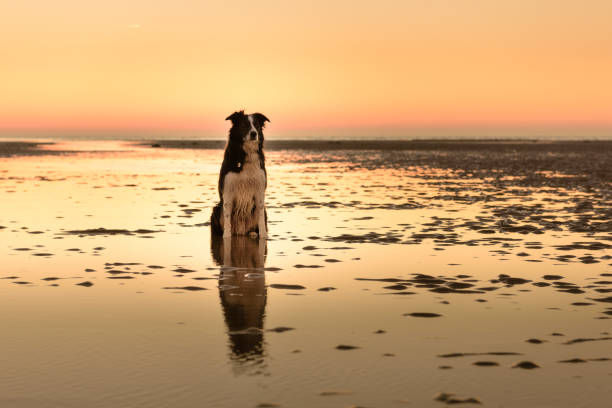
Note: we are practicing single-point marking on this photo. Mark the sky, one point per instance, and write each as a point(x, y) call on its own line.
point(314, 68)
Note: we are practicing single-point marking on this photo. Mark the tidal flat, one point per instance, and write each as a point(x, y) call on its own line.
point(415, 273)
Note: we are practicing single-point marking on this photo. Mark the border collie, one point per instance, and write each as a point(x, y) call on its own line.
point(243, 180)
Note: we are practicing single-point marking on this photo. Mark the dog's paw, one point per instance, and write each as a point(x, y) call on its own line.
point(252, 234)
point(227, 234)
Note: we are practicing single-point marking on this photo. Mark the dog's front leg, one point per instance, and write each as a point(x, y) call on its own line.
point(261, 253)
point(261, 210)
point(227, 217)
point(227, 252)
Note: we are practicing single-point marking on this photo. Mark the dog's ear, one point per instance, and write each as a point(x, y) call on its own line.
point(235, 116)
point(261, 118)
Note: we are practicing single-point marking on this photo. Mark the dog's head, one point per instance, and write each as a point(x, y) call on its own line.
point(247, 129)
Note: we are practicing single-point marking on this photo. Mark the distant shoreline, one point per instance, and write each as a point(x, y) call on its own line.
point(385, 145)
point(36, 148)
point(10, 149)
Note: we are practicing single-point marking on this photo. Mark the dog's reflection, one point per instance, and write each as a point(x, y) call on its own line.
point(242, 289)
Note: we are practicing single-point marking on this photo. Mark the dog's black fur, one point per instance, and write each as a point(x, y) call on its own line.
point(234, 159)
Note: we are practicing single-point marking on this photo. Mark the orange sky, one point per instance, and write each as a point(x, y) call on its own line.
point(315, 67)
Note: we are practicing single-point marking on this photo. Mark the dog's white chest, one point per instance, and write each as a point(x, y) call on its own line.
point(242, 189)
point(250, 180)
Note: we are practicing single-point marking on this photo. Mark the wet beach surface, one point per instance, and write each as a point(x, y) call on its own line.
point(401, 274)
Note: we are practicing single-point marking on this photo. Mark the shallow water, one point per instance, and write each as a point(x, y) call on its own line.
point(173, 318)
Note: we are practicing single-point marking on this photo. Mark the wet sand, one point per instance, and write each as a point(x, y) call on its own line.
point(587, 161)
point(396, 274)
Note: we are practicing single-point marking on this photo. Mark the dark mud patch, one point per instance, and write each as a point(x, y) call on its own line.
point(396, 287)
point(585, 340)
point(573, 361)
point(485, 363)
point(422, 314)
point(526, 365)
point(451, 290)
point(105, 231)
point(122, 263)
point(491, 353)
point(116, 272)
point(402, 293)
point(510, 281)
point(452, 399)
point(380, 279)
point(285, 286)
point(333, 393)
point(189, 288)
point(280, 329)
point(552, 277)
point(183, 270)
point(346, 347)
point(459, 285)
point(371, 237)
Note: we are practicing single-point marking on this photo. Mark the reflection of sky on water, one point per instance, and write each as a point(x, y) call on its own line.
point(127, 340)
